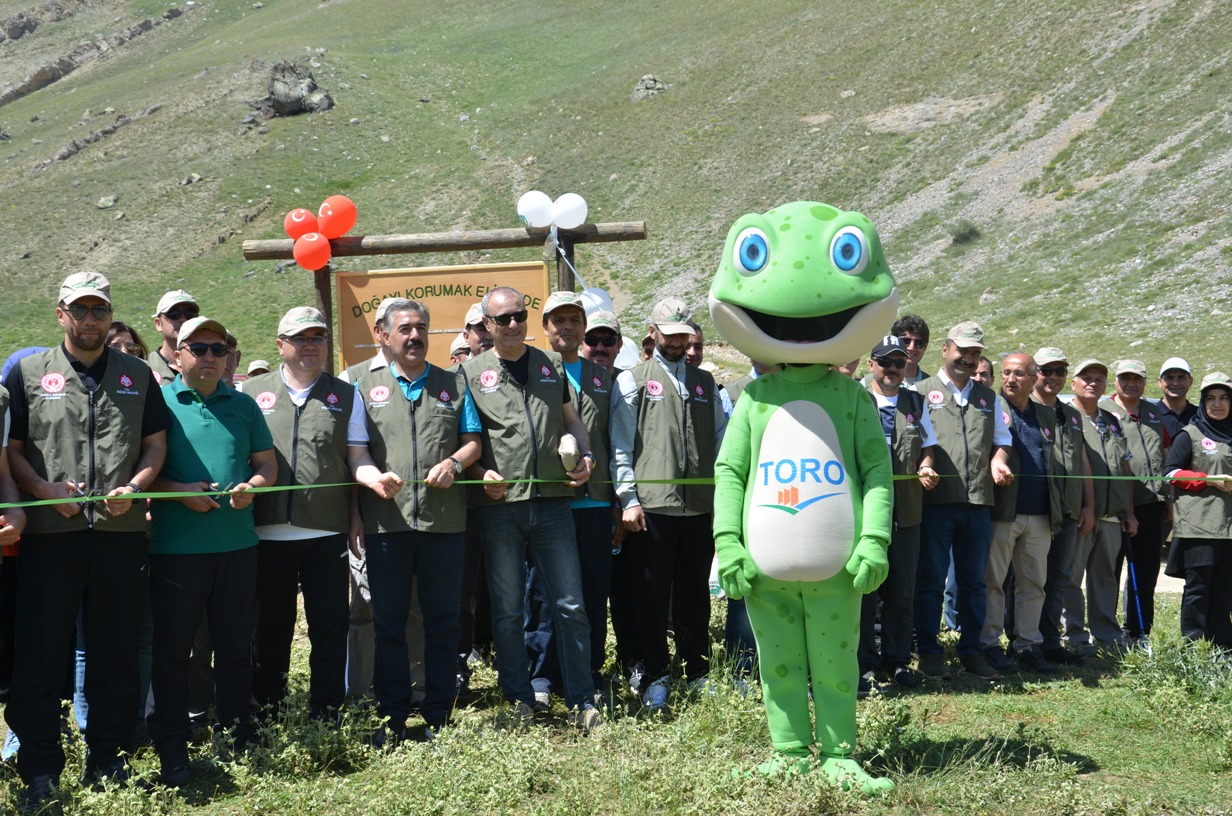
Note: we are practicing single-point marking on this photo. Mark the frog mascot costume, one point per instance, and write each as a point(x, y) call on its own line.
point(803, 495)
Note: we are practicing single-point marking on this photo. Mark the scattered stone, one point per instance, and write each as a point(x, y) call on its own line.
point(1135, 343)
point(354, 120)
point(24, 256)
point(120, 215)
point(293, 90)
point(4, 134)
point(528, 161)
point(363, 76)
point(646, 87)
point(424, 99)
point(106, 202)
point(191, 178)
point(384, 137)
point(847, 94)
point(344, 86)
point(249, 273)
point(258, 5)
point(988, 296)
point(464, 117)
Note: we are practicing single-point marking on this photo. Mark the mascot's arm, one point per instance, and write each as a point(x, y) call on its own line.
point(868, 563)
point(731, 474)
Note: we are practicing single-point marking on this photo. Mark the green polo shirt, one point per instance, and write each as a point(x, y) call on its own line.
point(209, 440)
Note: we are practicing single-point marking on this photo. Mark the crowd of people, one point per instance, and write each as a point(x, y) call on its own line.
point(1016, 513)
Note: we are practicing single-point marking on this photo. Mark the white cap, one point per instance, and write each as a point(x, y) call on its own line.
point(1175, 362)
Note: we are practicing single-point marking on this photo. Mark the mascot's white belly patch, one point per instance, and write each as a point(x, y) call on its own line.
point(801, 525)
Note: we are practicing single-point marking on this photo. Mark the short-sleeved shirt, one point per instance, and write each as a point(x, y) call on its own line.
point(468, 417)
point(210, 440)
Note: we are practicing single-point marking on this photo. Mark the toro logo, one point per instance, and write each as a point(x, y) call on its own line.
point(654, 388)
point(545, 371)
point(793, 474)
point(697, 389)
point(935, 397)
point(126, 381)
point(379, 394)
point(332, 398)
point(53, 383)
point(266, 400)
point(444, 396)
point(1208, 444)
point(488, 378)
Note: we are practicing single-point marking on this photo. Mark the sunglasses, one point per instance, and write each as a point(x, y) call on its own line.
point(607, 340)
point(506, 319)
point(1049, 371)
point(199, 349)
point(911, 341)
point(127, 348)
point(78, 311)
point(182, 312)
point(890, 362)
point(306, 340)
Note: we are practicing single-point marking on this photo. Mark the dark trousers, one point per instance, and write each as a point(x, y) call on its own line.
point(594, 546)
point(319, 567)
point(223, 586)
point(475, 610)
point(103, 575)
point(1060, 568)
point(671, 571)
point(897, 596)
point(623, 603)
point(436, 560)
point(1142, 552)
point(738, 640)
point(8, 613)
point(965, 530)
point(1206, 605)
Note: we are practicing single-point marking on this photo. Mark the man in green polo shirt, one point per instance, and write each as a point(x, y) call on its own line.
point(204, 547)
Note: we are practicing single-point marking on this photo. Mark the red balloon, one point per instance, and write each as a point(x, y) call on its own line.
point(336, 216)
point(298, 222)
point(312, 251)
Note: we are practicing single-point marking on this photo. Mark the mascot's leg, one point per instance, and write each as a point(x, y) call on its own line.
point(776, 612)
point(832, 631)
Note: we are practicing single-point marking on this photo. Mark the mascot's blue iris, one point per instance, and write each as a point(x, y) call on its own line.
point(752, 251)
point(847, 252)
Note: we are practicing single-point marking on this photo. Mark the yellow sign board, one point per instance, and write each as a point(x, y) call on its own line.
point(447, 291)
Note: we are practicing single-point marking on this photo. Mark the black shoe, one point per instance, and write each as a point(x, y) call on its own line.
point(906, 678)
point(1059, 655)
point(868, 681)
point(978, 665)
point(39, 793)
point(998, 659)
point(113, 770)
point(176, 776)
point(1033, 660)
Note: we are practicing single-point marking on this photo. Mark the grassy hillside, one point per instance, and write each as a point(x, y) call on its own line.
point(1086, 143)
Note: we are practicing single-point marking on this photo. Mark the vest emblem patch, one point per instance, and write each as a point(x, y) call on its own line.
point(936, 397)
point(654, 388)
point(158, 377)
point(379, 394)
point(53, 383)
point(445, 396)
point(266, 400)
point(488, 378)
point(545, 371)
point(1047, 432)
point(697, 389)
point(1208, 444)
point(1005, 416)
point(984, 404)
point(126, 381)
point(910, 419)
point(331, 398)
point(597, 381)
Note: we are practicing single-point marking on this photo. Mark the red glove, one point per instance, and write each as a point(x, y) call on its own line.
point(1198, 483)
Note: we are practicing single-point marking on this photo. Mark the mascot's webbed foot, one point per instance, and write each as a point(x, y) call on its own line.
point(847, 774)
point(791, 761)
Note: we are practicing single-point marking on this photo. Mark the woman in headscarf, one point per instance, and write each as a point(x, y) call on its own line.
point(1199, 463)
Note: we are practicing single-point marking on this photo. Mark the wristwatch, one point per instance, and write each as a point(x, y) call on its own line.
point(457, 466)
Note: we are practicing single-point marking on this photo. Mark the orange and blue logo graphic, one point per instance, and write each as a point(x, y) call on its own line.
point(794, 477)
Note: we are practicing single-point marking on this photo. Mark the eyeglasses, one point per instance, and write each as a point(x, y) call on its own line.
point(199, 349)
point(1049, 371)
point(306, 339)
point(890, 362)
point(78, 311)
point(127, 348)
point(182, 312)
point(912, 341)
point(506, 319)
point(606, 340)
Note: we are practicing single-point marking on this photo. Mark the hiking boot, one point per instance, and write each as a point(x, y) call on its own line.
point(1032, 660)
point(175, 777)
point(1060, 656)
point(998, 659)
point(39, 793)
point(978, 665)
point(934, 665)
point(905, 677)
point(114, 770)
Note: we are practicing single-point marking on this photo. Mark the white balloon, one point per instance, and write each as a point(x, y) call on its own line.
point(595, 299)
point(535, 209)
point(569, 211)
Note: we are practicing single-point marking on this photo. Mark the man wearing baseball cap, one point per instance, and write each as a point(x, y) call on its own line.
point(475, 331)
point(601, 344)
point(667, 423)
point(174, 308)
point(85, 422)
point(203, 548)
point(1175, 380)
point(973, 440)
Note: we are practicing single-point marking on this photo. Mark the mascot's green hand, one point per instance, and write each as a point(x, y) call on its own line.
point(736, 567)
point(869, 565)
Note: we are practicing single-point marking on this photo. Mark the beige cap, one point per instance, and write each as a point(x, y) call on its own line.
point(559, 300)
point(458, 343)
point(967, 334)
point(1120, 367)
point(1216, 378)
point(1085, 364)
point(258, 367)
point(191, 327)
point(603, 319)
point(1178, 363)
point(1049, 354)
point(172, 298)
point(84, 284)
point(300, 319)
point(381, 309)
point(671, 316)
point(474, 315)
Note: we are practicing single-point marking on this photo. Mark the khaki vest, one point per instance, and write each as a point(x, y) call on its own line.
point(675, 438)
point(593, 405)
point(1006, 497)
point(1106, 451)
point(162, 372)
point(1208, 512)
point(310, 442)
point(1145, 438)
point(94, 439)
point(736, 387)
point(964, 442)
point(907, 445)
point(1067, 447)
point(522, 427)
point(410, 438)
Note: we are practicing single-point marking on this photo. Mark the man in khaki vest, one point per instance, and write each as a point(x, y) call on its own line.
point(173, 309)
point(85, 421)
point(667, 423)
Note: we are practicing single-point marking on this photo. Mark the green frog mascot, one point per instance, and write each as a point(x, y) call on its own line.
point(803, 494)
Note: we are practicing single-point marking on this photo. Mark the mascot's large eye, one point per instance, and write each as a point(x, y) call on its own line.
point(752, 251)
point(849, 250)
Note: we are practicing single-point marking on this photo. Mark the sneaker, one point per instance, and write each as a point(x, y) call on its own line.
point(656, 694)
point(978, 665)
point(1032, 660)
point(637, 678)
point(868, 681)
point(905, 677)
point(40, 792)
point(934, 665)
point(523, 712)
point(587, 720)
point(1060, 656)
point(543, 700)
point(998, 659)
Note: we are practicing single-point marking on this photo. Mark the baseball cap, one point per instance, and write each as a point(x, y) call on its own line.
point(300, 319)
point(603, 319)
point(84, 284)
point(381, 309)
point(1215, 378)
point(190, 327)
point(475, 314)
point(1175, 362)
point(967, 334)
point(1138, 367)
point(671, 316)
point(559, 300)
point(459, 342)
point(172, 298)
point(1049, 354)
point(889, 344)
point(1085, 364)
point(258, 367)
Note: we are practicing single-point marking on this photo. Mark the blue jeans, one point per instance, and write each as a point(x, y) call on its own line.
point(965, 529)
point(544, 527)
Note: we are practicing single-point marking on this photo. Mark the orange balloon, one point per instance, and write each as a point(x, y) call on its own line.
point(336, 216)
point(312, 251)
point(298, 222)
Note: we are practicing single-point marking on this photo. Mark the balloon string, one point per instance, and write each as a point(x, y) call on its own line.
point(560, 251)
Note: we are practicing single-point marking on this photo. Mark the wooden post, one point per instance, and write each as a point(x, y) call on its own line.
point(564, 275)
point(323, 280)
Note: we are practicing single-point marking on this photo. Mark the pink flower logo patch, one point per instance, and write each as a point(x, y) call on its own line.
point(444, 396)
point(379, 394)
point(1005, 416)
point(654, 388)
point(545, 371)
point(266, 400)
point(910, 419)
point(1074, 421)
point(984, 404)
point(53, 383)
point(488, 378)
point(935, 397)
point(697, 389)
point(598, 382)
point(332, 398)
point(1208, 444)
point(1047, 433)
point(126, 381)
